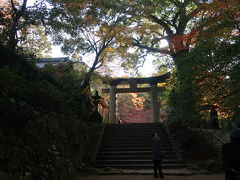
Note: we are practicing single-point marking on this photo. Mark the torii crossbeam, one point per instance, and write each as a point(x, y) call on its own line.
point(153, 89)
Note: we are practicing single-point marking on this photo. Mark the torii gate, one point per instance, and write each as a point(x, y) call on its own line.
point(153, 89)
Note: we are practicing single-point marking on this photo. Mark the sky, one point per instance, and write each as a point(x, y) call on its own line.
point(147, 70)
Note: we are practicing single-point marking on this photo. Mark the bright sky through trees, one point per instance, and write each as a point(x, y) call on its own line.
point(146, 70)
point(117, 70)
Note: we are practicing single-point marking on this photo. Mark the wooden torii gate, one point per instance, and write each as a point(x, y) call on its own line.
point(153, 89)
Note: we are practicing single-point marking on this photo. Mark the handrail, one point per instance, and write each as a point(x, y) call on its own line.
point(175, 147)
point(212, 135)
point(94, 156)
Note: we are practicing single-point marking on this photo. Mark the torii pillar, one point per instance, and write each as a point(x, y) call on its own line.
point(112, 104)
point(154, 102)
point(153, 89)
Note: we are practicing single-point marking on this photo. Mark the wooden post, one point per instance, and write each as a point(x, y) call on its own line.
point(154, 103)
point(112, 104)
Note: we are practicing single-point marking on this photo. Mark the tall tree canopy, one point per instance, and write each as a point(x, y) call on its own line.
point(16, 16)
point(88, 28)
point(130, 30)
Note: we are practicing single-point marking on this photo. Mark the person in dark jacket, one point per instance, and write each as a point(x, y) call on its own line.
point(157, 155)
point(214, 118)
point(231, 156)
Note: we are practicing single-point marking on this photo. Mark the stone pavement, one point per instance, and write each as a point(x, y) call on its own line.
point(171, 172)
point(147, 177)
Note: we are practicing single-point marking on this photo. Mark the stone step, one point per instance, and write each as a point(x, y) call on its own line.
point(136, 129)
point(134, 161)
point(111, 153)
point(124, 133)
point(136, 138)
point(146, 136)
point(168, 172)
point(136, 124)
point(105, 145)
point(130, 146)
point(132, 157)
point(133, 131)
point(132, 138)
point(133, 149)
point(132, 126)
point(129, 131)
point(139, 166)
point(122, 143)
point(135, 142)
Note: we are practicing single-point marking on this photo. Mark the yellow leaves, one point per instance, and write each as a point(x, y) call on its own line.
point(110, 49)
point(148, 28)
point(123, 41)
point(161, 84)
point(104, 29)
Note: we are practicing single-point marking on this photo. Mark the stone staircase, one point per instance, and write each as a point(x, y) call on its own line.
point(128, 146)
point(214, 139)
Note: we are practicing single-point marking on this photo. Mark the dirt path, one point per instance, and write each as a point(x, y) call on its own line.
point(147, 177)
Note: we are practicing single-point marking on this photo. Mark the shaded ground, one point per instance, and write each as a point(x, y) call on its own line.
point(147, 177)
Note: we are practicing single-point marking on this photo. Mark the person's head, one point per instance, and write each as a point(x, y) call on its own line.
point(155, 134)
point(235, 134)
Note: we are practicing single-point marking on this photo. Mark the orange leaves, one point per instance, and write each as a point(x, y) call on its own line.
point(4, 3)
point(110, 49)
point(223, 11)
point(5, 9)
point(182, 42)
point(148, 29)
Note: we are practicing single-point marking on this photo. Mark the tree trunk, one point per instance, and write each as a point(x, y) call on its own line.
point(12, 43)
point(185, 93)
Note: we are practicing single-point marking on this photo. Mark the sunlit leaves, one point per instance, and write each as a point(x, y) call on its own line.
point(222, 18)
point(15, 16)
point(34, 41)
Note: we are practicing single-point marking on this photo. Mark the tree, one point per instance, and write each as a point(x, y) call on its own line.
point(87, 28)
point(183, 24)
point(170, 20)
point(214, 62)
point(34, 41)
point(109, 28)
point(16, 16)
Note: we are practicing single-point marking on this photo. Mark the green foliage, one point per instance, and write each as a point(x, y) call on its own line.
point(15, 17)
point(20, 64)
point(182, 100)
point(45, 123)
point(215, 74)
point(35, 41)
point(207, 76)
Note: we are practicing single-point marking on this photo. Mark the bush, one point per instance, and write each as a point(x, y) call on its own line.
point(44, 126)
point(194, 146)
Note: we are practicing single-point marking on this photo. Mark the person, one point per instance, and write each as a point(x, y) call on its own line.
point(157, 155)
point(231, 156)
point(214, 118)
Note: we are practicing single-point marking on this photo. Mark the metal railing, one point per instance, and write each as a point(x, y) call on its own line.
point(212, 136)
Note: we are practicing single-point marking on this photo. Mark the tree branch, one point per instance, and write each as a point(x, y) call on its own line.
point(232, 16)
point(174, 20)
point(162, 23)
point(13, 7)
point(193, 13)
point(150, 49)
point(23, 6)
